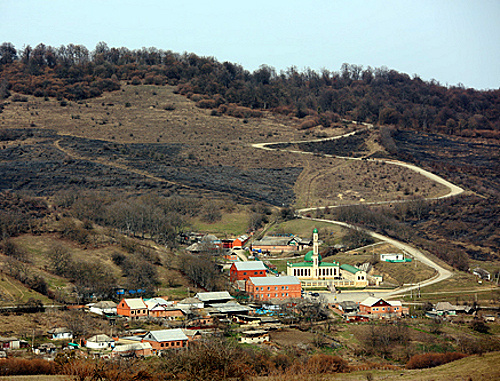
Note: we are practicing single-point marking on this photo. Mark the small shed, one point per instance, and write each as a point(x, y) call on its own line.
point(100, 342)
point(254, 337)
point(61, 333)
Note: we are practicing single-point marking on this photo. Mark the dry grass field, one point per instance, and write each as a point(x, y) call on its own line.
point(152, 137)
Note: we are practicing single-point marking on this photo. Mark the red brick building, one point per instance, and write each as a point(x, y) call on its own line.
point(166, 339)
point(134, 307)
point(266, 288)
point(381, 308)
point(244, 270)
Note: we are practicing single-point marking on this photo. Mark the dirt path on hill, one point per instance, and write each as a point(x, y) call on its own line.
point(115, 165)
point(454, 190)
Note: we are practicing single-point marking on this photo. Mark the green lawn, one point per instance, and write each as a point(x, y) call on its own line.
point(231, 224)
point(304, 228)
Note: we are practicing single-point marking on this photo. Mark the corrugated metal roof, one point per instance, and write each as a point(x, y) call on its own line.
point(208, 296)
point(370, 301)
point(135, 303)
point(274, 280)
point(250, 265)
point(102, 338)
point(132, 347)
point(166, 335)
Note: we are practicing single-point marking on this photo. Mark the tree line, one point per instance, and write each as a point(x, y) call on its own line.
point(375, 95)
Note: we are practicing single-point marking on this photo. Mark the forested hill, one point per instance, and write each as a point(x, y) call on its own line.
point(365, 94)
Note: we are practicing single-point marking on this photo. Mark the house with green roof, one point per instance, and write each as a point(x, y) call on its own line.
point(354, 274)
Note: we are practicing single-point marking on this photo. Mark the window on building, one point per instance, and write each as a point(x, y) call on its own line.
point(245, 273)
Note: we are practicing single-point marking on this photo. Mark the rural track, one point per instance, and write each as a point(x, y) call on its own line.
point(126, 168)
point(115, 165)
point(454, 190)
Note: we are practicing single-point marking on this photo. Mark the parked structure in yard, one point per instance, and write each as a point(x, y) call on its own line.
point(61, 333)
point(245, 270)
point(394, 258)
point(481, 273)
point(100, 342)
point(13, 343)
point(445, 309)
point(104, 307)
point(166, 339)
point(377, 307)
point(254, 337)
point(133, 308)
point(133, 350)
point(267, 288)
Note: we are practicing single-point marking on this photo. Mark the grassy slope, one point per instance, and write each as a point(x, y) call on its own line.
point(214, 141)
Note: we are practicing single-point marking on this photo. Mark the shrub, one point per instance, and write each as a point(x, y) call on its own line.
point(431, 359)
point(18, 366)
point(308, 123)
point(206, 103)
point(321, 364)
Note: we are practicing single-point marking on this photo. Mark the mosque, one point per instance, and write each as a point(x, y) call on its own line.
point(313, 272)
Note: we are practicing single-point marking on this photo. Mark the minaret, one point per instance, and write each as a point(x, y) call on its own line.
point(315, 256)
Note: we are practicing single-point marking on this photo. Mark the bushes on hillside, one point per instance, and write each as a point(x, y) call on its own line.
point(430, 360)
point(18, 366)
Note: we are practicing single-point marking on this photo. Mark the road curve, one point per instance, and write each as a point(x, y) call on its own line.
point(442, 273)
point(454, 190)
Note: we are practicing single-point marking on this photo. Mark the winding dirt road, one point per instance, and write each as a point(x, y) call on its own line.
point(454, 190)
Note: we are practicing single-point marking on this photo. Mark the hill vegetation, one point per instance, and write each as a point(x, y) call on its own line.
point(371, 95)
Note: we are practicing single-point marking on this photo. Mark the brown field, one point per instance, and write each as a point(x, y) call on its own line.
point(130, 135)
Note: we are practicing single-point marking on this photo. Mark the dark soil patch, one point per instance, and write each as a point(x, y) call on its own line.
point(37, 165)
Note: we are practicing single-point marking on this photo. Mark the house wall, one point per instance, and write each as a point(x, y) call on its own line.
point(273, 292)
point(124, 310)
point(235, 275)
point(381, 309)
point(307, 272)
point(254, 340)
point(278, 248)
point(359, 278)
point(101, 345)
point(176, 344)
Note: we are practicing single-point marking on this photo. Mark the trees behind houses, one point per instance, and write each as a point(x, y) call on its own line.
point(202, 271)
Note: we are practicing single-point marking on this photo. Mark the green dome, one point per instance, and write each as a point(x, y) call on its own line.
point(315, 230)
point(309, 256)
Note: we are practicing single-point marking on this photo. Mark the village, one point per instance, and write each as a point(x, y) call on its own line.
point(260, 301)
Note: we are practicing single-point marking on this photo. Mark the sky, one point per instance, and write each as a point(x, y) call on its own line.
point(452, 41)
